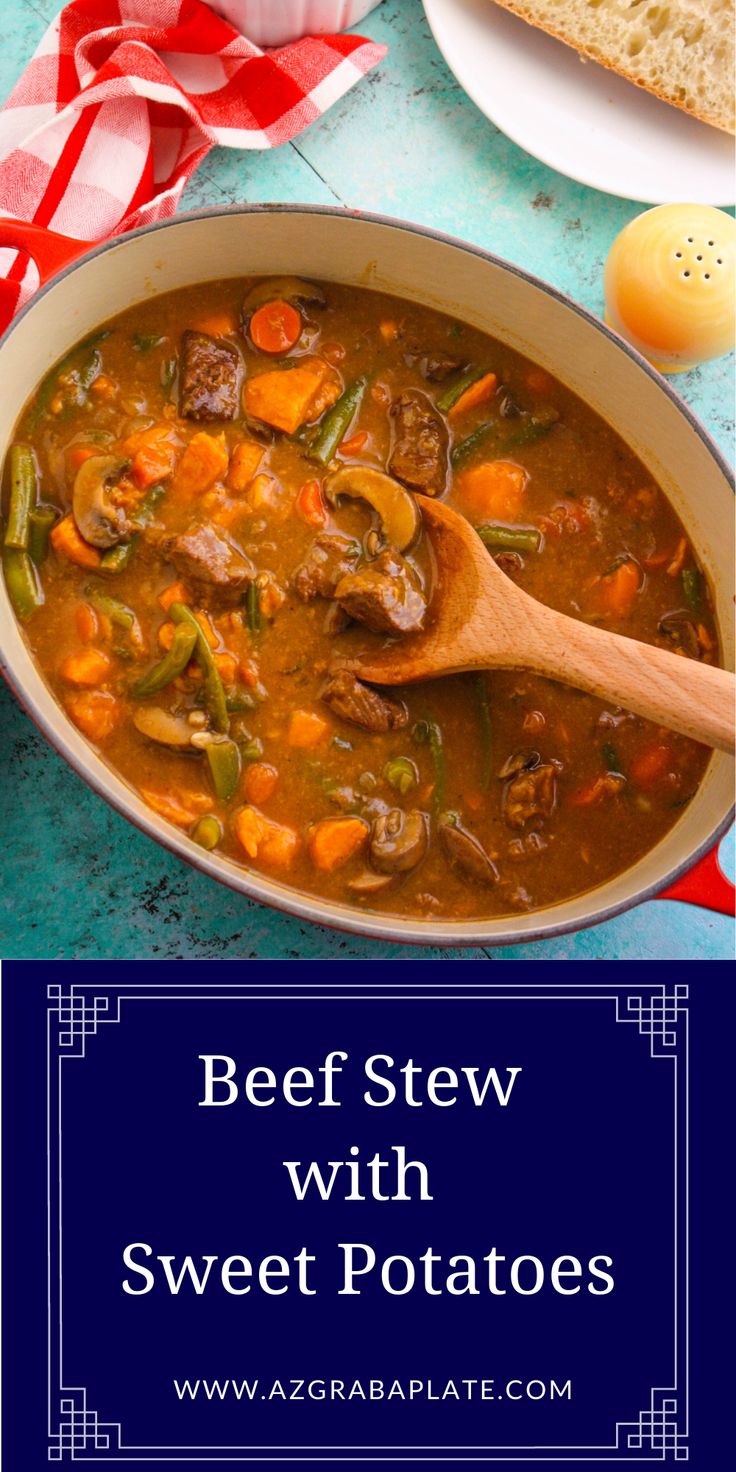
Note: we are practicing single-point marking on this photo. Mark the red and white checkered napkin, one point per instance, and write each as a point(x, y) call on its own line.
point(124, 98)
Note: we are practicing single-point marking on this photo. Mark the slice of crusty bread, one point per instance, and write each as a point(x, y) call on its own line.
point(682, 50)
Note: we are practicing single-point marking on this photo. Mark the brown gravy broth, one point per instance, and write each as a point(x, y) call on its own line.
point(547, 791)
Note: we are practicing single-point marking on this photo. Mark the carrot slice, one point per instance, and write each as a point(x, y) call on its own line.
point(678, 561)
point(260, 781)
point(616, 592)
point(275, 327)
point(354, 443)
point(478, 393)
point(88, 626)
point(310, 505)
point(333, 841)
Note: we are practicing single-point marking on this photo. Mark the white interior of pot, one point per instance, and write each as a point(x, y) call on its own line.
point(492, 297)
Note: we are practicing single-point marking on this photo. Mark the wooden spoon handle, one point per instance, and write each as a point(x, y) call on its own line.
point(696, 699)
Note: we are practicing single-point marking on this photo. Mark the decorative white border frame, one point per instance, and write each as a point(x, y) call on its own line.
point(659, 1011)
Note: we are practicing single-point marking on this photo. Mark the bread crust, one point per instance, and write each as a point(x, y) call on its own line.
point(592, 54)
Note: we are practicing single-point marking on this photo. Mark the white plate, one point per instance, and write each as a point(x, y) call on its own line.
point(577, 117)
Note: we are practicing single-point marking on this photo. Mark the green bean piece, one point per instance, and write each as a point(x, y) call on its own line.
point(400, 772)
point(40, 522)
point(143, 512)
point(22, 582)
point(117, 612)
point(437, 750)
point(240, 702)
point(144, 341)
point(22, 496)
point(46, 390)
point(501, 538)
point(207, 831)
point(337, 422)
point(168, 374)
point(90, 370)
point(116, 559)
point(461, 451)
point(253, 604)
point(213, 687)
point(174, 661)
point(223, 758)
point(692, 587)
point(484, 718)
point(611, 758)
point(532, 429)
point(252, 750)
point(449, 397)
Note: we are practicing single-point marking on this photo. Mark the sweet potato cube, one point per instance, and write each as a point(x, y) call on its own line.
point(204, 461)
point(244, 462)
point(283, 397)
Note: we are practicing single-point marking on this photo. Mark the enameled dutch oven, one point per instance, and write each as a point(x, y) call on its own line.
point(82, 287)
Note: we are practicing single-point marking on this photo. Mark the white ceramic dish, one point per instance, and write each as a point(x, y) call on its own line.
point(368, 251)
point(578, 117)
point(276, 22)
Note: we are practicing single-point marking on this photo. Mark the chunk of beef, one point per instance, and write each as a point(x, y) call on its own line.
point(204, 556)
point(329, 558)
point(210, 374)
point(361, 705)
point(419, 454)
point(531, 794)
point(385, 595)
point(466, 854)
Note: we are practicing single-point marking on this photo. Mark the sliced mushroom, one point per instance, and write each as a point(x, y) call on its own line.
point(368, 883)
point(161, 726)
point(398, 841)
point(519, 761)
point(466, 853)
point(99, 520)
point(397, 508)
point(283, 288)
point(681, 631)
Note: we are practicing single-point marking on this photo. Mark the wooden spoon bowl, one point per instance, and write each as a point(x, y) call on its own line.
point(479, 619)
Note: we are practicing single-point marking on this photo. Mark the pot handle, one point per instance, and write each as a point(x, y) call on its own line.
point(50, 251)
point(706, 885)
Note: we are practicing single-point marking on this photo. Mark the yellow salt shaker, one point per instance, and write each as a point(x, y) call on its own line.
point(669, 285)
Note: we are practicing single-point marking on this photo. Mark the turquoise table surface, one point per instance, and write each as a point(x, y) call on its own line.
point(77, 880)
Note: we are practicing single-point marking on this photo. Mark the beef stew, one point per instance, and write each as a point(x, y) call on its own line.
point(209, 502)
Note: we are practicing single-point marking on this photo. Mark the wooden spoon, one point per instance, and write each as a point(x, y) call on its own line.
point(479, 619)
